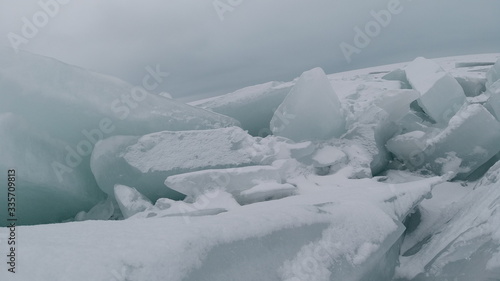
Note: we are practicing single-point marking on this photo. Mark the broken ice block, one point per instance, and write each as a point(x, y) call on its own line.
point(233, 180)
point(328, 159)
point(130, 200)
point(310, 111)
point(145, 162)
point(441, 96)
point(472, 86)
point(328, 156)
point(104, 210)
point(471, 138)
point(266, 191)
point(376, 123)
point(398, 75)
point(253, 106)
point(493, 74)
point(493, 102)
point(397, 103)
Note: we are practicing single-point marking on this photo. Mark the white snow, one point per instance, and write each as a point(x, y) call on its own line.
point(341, 216)
point(329, 156)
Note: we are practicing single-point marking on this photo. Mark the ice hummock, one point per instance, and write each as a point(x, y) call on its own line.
point(145, 162)
point(441, 94)
point(372, 127)
point(311, 110)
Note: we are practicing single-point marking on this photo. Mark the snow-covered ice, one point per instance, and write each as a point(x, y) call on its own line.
point(390, 195)
point(233, 180)
point(266, 191)
point(340, 226)
point(376, 124)
point(469, 141)
point(329, 159)
point(145, 162)
point(130, 200)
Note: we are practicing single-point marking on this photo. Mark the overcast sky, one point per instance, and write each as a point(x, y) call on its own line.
point(257, 40)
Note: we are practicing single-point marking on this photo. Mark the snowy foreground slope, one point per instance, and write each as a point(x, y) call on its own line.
point(386, 173)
